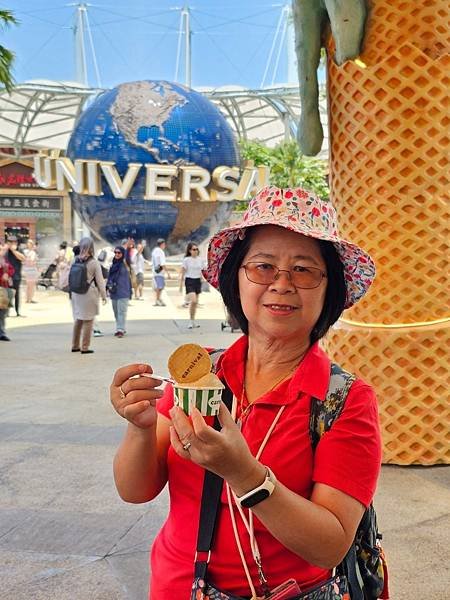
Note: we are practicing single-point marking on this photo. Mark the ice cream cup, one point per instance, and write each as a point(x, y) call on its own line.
point(207, 400)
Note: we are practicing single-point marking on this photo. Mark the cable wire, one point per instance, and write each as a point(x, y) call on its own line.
point(242, 20)
point(36, 53)
point(115, 49)
point(94, 56)
point(220, 49)
point(140, 19)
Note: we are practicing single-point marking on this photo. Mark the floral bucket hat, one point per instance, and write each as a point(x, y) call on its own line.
point(303, 212)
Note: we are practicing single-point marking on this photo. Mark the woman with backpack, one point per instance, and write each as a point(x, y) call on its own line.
point(119, 289)
point(292, 499)
point(86, 286)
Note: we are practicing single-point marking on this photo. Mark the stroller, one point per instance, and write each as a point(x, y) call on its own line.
point(230, 322)
point(46, 278)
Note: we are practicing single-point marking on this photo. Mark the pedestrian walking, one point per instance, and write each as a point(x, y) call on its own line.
point(30, 271)
point(119, 289)
point(159, 270)
point(63, 261)
point(85, 306)
point(191, 275)
point(6, 275)
point(137, 267)
point(101, 257)
point(15, 258)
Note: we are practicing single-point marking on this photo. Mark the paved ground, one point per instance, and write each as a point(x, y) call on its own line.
point(65, 534)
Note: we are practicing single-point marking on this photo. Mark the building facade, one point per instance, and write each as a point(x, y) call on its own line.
point(31, 212)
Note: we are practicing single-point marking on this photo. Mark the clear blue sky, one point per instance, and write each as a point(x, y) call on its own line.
point(137, 39)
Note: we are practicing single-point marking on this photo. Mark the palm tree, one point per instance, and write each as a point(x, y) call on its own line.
point(6, 56)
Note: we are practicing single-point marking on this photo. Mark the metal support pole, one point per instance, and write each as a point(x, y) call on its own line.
point(80, 48)
point(292, 75)
point(187, 45)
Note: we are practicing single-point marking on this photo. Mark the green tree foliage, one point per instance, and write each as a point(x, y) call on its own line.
point(288, 166)
point(6, 56)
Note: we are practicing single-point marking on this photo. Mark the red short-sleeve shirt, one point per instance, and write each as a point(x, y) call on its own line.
point(347, 458)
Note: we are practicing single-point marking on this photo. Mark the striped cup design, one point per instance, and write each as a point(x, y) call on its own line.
point(206, 400)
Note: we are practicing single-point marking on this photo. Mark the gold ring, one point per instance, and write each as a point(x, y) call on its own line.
point(122, 393)
point(187, 446)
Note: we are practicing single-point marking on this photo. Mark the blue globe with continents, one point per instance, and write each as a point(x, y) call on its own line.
point(152, 123)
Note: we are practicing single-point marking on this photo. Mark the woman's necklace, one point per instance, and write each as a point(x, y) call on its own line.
point(243, 412)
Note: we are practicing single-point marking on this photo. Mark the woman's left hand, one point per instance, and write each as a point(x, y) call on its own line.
point(224, 452)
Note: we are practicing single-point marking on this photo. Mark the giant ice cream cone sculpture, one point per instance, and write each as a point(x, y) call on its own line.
point(389, 150)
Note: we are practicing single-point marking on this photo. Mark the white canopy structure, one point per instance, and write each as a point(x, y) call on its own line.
point(41, 114)
point(268, 115)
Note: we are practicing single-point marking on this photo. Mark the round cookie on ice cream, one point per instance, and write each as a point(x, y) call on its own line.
point(189, 362)
point(195, 385)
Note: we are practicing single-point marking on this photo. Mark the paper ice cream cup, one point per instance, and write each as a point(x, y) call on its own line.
point(207, 400)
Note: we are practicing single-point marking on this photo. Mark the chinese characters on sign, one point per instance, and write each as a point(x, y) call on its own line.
point(17, 181)
point(30, 202)
point(16, 175)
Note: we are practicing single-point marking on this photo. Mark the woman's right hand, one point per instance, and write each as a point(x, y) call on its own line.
point(133, 393)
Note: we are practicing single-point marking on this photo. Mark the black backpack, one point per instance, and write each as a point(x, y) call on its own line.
point(101, 255)
point(78, 279)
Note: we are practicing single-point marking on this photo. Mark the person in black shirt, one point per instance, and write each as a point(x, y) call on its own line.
point(15, 258)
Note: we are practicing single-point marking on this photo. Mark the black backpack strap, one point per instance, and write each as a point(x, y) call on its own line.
point(212, 490)
point(323, 413)
point(322, 416)
point(348, 567)
point(360, 563)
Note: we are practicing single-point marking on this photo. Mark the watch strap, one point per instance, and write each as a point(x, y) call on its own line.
point(260, 492)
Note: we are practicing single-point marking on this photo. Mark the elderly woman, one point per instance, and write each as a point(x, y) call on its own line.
point(85, 306)
point(286, 275)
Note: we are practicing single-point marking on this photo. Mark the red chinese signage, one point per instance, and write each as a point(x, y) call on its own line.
point(16, 175)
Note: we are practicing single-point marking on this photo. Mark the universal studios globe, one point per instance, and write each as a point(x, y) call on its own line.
point(152, 122)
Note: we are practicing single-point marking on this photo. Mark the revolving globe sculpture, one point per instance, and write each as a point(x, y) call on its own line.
point(140, 124)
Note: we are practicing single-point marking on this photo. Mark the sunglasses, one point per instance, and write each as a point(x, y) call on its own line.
point(304, 278)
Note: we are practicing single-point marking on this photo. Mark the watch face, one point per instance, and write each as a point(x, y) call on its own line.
point(258, 496)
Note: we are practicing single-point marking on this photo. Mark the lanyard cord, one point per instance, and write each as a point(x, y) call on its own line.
point(249, 522)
